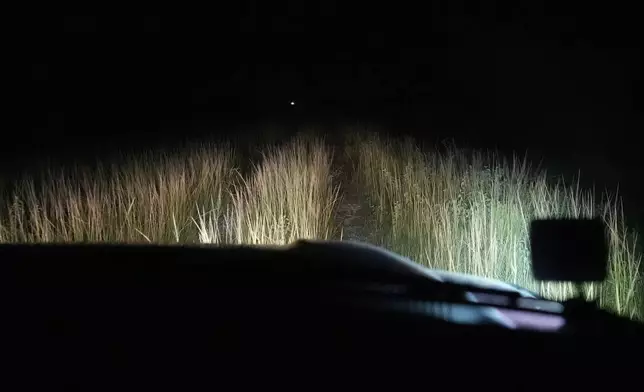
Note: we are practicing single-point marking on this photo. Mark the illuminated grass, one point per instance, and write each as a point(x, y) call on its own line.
point(470, 213)
point(198, 195)
point(150, 198)
point(287, 196)
point(456, 210)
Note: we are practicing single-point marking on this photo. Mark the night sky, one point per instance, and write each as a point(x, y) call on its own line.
point(565, 82)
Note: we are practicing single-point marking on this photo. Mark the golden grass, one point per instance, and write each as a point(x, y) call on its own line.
point(289, 195)
point(151, 198)
point(455, 210)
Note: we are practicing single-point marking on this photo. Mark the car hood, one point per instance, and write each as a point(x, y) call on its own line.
point(362, 255)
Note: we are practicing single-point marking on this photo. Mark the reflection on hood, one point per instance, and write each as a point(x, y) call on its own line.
point(362, 255)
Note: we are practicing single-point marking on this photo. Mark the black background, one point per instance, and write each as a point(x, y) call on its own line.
point(561, 81)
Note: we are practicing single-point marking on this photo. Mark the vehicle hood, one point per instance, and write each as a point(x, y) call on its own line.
point(370, 256)
point(363, 255)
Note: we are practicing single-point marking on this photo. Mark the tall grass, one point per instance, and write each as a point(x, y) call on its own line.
point(198, 195)
point(470, 212)
point(150, 198)
point(452, 209)
point(289, 195)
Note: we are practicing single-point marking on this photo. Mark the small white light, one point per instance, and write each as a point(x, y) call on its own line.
point(292, 103)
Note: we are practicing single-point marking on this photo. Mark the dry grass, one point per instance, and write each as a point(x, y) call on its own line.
point(289, 195)
point(455, 210)
point(150, 199)
point(198, 195)
point(470, 212)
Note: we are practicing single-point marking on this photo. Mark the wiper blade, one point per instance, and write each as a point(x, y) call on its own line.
point(418, 289)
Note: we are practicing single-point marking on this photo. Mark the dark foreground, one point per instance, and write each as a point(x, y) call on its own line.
point(186, 317)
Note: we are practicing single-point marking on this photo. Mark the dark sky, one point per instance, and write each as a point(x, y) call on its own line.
point(559, 80)
point(519, 75)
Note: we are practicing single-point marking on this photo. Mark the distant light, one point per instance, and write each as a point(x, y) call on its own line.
point(292, 103)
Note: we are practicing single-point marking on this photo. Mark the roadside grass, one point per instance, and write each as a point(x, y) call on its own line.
point(458, 210)
point(198, 195)
point(148, 198)
point(469, 212)
point(288, 195)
